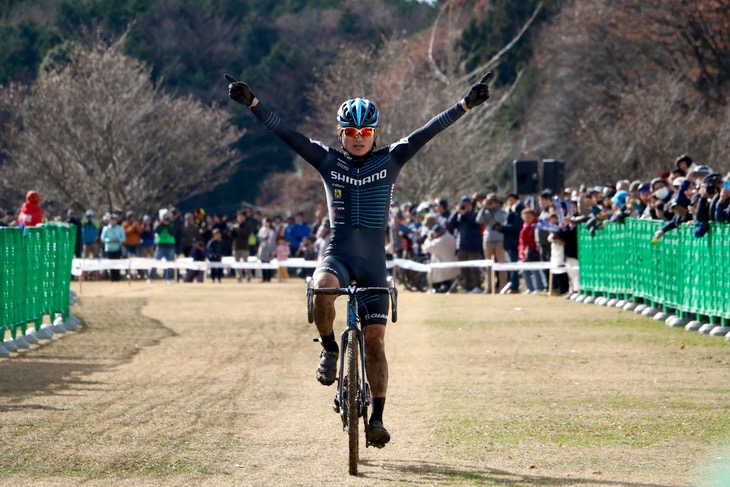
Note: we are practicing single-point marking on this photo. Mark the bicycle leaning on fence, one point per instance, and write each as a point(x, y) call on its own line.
point(352, 397)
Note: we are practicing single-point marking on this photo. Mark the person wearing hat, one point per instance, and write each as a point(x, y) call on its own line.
point(492, 217)
point(678, 206)
point(112, 236)
point(697, 173)
point(644, 200)
point(164, 245)
point(441, 247)
point(683, 163)
point(30, 213)
point(705, 202)
point(468, 232)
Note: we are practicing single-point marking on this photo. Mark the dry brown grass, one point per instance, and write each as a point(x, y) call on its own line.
point(214, 385)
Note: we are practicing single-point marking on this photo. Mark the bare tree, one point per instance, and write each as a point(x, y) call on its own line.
point(407, 80)
point(95, 132)
point(621, 91)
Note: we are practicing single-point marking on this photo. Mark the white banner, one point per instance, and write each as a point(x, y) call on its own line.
point(80, 266)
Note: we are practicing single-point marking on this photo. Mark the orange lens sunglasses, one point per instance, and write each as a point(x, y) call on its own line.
point(365, 131)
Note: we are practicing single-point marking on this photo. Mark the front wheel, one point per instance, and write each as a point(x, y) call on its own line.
point(310, 299)
point(353, 380)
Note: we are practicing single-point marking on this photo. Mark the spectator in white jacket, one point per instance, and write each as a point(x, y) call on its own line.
point(441, 246)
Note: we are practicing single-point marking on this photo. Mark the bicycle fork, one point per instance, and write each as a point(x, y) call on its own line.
point(363, 399)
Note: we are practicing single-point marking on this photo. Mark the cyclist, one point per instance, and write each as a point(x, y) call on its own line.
point(359, 181)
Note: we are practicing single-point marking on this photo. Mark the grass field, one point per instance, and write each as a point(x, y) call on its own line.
point(213, 384)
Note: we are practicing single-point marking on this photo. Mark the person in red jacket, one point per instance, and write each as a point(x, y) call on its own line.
point(529, 251)
point(30, 213)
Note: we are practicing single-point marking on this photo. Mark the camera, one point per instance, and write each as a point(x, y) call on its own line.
point(711, 189)
point(462, 207)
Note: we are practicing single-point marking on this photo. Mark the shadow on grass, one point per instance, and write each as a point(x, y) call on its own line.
point(432, 473)
point(112, 332)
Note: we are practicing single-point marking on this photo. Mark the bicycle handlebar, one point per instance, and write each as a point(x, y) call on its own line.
point(351, 291)
point(358, 291)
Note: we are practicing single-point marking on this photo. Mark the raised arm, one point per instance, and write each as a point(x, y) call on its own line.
point(312, 151)
point(477, 94)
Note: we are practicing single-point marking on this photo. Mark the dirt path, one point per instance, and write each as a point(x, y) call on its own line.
point(214, 385)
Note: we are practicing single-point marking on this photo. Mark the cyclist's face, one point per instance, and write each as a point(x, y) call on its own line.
point(358, 145)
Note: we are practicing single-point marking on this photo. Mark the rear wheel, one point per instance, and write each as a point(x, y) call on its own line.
point(353, 380)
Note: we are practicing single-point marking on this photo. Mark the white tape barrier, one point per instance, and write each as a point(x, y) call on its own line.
point(80, 266)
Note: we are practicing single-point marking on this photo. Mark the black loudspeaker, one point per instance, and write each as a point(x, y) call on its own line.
point(525, 177)
point(553, 175)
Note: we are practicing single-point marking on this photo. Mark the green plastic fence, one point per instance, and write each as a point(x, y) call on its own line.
point(35, 275)
point(682, 272)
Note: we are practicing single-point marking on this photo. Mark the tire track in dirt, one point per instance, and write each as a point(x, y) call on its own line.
point(214, 385)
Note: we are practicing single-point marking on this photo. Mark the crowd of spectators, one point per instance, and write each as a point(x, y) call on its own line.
point(479, 226)
point(543, 228)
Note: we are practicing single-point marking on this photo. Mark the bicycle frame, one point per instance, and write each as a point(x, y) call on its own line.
point(352, 325)
point(363, 391)
point(359, 395)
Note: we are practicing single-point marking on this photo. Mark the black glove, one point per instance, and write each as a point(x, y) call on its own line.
point(239, 91)
point(478, 93)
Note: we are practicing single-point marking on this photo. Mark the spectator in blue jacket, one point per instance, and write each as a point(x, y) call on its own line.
point(297, 231)
point(147, 238)
point(468, 232)
point(90, 236)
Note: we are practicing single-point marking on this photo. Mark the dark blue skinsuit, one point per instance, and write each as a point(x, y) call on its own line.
point(359, 190)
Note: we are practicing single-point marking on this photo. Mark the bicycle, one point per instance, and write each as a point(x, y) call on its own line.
point(413, 280)
point(352, 397)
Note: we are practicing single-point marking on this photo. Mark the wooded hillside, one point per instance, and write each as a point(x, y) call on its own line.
point(615, 89)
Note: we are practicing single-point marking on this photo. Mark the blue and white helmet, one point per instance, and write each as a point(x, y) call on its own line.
point(358, 112)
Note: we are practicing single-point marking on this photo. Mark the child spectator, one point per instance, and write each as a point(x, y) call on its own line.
point(199, 254)
point(30, 213)
point(529, 252)
point(557, 255)
point(306, 251)
point(282, 253)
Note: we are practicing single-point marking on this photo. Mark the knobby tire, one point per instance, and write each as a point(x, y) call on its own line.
point(353, 381)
